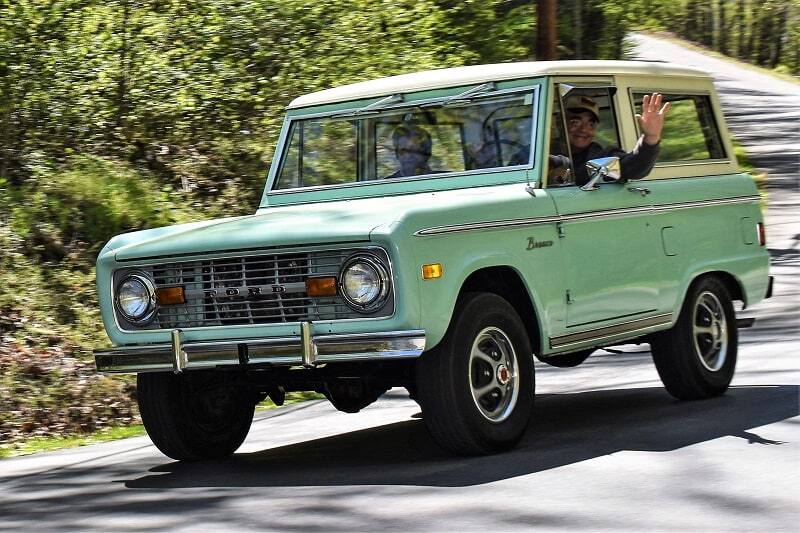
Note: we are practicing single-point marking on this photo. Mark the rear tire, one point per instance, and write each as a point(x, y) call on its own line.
point(194, 416)
point(696, 358)
point(476, 388)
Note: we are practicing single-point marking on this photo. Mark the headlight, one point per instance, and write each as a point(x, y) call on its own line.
point(364, 283)
point(136, 298)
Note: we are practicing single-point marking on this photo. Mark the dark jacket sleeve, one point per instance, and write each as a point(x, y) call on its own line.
point(637, 163)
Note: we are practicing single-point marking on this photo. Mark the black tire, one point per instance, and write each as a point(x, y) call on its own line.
point(196, 415)
point(447, 376)
point(696, 358)
point(567, 360)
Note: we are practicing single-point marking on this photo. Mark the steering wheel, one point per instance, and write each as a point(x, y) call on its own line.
point(520, 148)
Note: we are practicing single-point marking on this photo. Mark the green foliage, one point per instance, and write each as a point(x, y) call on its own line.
point(126, 114)
point(117, 115)
point(291, 397)
point(84, 202)
point(51, 443)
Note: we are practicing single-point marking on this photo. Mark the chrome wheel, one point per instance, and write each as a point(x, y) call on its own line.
point(493, 374)
point(710, 331)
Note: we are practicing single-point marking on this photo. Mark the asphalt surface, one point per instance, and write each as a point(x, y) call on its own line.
point(609, 449)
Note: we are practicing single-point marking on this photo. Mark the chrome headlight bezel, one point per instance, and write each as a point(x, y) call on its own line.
point(382, 273)
point(150, 305)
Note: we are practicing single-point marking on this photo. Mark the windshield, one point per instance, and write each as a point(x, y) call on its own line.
point(408, 142)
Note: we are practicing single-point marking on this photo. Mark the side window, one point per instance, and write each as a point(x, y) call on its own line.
point(584, 127)
point(690, 131)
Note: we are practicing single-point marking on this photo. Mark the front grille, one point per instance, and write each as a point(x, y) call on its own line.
point(262, 289)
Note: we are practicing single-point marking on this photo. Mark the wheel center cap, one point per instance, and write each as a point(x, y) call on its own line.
point(503, 375)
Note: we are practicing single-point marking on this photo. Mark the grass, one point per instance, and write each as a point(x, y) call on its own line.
point(746, 166)
point(49, 444)
point(291, 397)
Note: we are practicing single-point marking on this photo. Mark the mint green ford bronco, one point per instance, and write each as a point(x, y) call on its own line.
point(437, 231)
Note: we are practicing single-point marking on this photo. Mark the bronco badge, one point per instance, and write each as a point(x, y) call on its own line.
point(533, 243)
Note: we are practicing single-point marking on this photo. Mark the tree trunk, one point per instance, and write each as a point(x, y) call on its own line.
point(765, 31)
point(546, 30)
point(751, 36)
point(780, 30)
point(722, 28)
point(690, 21)
point(578, 29)
point(741, 25)
point(707, 23)
point(124, 66)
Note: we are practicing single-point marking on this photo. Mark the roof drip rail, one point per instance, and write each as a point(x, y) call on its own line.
point(465, 96)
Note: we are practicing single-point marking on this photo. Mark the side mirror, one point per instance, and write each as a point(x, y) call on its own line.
point(605, 168)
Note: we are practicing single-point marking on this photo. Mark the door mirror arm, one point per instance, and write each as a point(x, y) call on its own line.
point(604, 168)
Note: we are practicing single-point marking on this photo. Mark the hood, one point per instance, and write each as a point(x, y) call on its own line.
point(317, 223)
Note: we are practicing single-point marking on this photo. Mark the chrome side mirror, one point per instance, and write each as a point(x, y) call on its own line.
point(603, 168)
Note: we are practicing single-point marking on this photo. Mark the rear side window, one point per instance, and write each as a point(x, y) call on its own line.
point(690, 131)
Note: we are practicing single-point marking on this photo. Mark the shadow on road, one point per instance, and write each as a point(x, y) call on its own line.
point(568, 428)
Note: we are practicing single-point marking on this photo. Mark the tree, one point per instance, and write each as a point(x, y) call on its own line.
point(546, 37)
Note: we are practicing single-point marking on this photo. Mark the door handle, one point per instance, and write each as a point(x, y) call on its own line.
point(644, 191)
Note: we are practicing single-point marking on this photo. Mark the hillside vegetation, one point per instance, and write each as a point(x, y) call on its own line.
point(119, 115)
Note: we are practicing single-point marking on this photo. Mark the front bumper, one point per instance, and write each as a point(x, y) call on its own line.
point(307, 350)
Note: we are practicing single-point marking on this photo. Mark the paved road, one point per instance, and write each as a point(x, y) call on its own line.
point(610, 449)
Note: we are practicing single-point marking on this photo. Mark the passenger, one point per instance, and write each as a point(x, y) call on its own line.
point(412, 147)
point(583, 117)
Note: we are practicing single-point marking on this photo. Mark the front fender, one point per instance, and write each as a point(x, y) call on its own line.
point(438, 296)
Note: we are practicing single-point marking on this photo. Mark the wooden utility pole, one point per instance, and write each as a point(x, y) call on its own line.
point(546, 30)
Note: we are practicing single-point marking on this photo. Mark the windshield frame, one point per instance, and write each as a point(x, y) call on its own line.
point(534, 87)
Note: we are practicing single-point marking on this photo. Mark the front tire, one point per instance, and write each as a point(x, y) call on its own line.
point(696, 358)
point(476, 388)
point(196, 415)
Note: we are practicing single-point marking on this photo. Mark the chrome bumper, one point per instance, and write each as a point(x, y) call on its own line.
point(307, 350)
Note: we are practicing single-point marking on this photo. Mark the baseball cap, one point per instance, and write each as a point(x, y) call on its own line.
point(579, 103)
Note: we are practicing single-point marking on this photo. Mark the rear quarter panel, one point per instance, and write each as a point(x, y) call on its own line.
point(709, 237)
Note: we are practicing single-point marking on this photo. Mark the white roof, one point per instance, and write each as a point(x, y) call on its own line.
point(458, 76)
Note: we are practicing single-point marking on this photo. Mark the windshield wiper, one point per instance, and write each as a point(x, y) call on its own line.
point(374, 107)
point(460, 98)
point(464, 97)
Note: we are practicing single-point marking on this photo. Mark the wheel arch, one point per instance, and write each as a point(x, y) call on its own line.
point(507, 282)
point(732, 283)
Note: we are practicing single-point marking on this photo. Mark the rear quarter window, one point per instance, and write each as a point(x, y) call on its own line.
point(690, 131)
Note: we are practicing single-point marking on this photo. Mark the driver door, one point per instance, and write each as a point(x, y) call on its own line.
point(609, 243)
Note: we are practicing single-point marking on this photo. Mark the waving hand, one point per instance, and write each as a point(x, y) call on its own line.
point(651, 120)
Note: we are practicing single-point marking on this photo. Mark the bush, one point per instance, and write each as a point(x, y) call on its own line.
point(76, 207)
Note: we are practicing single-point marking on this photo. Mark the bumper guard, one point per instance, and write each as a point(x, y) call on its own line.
point(307, 350)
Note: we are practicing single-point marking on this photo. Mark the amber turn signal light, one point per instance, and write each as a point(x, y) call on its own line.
point(432, 271)
point(321, 286)
point(170, 296)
